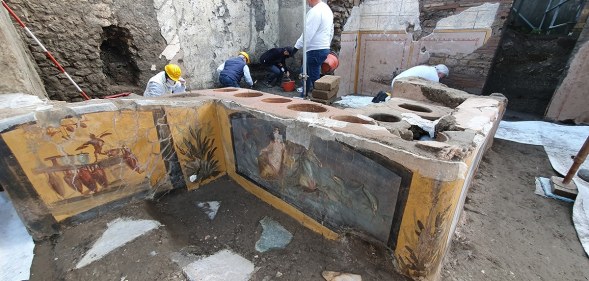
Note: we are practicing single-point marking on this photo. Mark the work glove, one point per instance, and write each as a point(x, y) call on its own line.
point(294, 51)
point(182, 81)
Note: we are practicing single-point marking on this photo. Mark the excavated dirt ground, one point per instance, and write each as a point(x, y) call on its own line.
point(189, 232)
point(510, 233)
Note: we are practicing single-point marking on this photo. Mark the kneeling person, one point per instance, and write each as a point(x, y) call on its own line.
point(166, 82)
point(233, 69)
point(275, 60)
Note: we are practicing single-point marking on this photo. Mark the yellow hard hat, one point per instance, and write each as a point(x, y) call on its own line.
point(247, 57)
point(173, 71)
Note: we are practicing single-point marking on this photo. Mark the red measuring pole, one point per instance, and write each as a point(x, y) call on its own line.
point(47, 53)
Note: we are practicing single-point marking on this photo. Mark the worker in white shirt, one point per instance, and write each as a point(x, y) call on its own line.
point(233, 69)
point(166, 82)
point(318, 34)
point(431, 73)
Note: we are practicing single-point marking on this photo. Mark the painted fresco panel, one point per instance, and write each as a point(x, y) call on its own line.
point(197, 143)
point(347, 63)
point(376, 71)
point(328, 181)
point(87, 161)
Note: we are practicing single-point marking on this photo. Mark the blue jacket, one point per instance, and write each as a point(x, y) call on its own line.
point(233, 68)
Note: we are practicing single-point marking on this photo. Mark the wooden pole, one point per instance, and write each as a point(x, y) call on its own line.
point(579, 159)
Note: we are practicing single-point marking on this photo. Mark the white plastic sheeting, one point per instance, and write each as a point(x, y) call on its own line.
point(16, 245)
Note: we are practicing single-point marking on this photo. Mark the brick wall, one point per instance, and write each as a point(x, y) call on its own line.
point(341, 11)
point(468, 72)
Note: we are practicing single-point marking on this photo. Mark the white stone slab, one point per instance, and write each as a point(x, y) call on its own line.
point(119, 232)
point(222, 266)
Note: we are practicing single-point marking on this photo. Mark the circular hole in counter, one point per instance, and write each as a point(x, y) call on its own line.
point(307, 107)
point(276, 100)
point(225, 90)
point(248, 95)
point(351, 119)
point(414, 107)
point(382, 117)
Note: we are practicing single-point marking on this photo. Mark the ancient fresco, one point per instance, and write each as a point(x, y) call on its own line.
point(197, 144)
point(83, 162)
point(329, 181)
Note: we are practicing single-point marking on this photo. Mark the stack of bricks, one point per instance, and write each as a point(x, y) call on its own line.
point(325, 89)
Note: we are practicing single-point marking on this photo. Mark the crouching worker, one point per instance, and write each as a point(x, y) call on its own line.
point(233, 69)
point(431, 73)
point(275, 60)
point(166, 82)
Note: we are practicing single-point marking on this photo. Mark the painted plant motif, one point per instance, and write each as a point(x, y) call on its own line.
point(423, 259)
point(199, 150)
point(83, 175)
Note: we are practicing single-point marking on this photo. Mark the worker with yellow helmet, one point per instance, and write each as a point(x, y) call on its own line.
point(234, 69)
point(169, 81)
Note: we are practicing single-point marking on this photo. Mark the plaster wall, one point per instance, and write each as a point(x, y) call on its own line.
point(291, 21)
point(570, 102)
point(205, 34)
point(20, 73)
point(63, 162)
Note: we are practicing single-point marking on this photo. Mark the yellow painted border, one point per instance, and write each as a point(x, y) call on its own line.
point(487, 31)
point(375, 32)
point(357, 68)
point(284, 207)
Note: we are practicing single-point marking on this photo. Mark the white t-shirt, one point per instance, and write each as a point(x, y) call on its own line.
point(319, 28)
point(424, 71)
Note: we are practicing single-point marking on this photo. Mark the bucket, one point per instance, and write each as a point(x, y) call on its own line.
point(288, 85)
point(330, 64)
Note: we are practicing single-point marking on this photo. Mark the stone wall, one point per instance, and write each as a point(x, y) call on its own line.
point(341, 12)
point(19, 73)
point(116, 46)
point(79, 36)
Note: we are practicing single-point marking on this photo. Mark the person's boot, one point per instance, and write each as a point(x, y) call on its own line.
point(583, 174)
